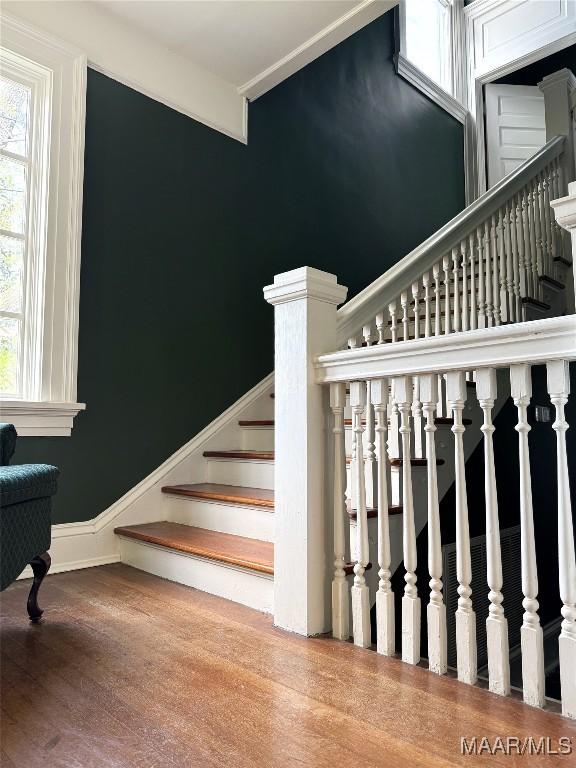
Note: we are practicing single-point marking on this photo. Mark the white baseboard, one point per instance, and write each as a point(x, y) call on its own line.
point(91, 543)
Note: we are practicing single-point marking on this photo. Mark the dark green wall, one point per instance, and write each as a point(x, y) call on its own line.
point(348, 167)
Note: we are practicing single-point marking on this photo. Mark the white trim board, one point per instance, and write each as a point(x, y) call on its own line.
point(93, 542)
point(343, 27)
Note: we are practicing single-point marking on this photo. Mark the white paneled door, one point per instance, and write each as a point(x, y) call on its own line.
point(515, 127)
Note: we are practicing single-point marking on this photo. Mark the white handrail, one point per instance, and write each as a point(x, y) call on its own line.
point(534, 342)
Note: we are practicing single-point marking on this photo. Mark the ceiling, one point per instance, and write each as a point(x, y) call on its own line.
point(234, 39)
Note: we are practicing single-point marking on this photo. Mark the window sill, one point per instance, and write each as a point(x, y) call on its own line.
point(429, 88)
point(40, 419)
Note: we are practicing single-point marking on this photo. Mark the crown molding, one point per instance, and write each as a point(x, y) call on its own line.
point(323, 41)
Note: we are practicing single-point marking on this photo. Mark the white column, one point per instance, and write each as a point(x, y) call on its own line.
point(385, 641)
point(557, 89)
point(496, 623)
point(559, 389)
point(531, 632)
point(305, 302)
point(340, 594)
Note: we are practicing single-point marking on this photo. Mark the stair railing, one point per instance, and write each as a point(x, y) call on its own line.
point(311, 546)
point(369, 374)
point(493, 263)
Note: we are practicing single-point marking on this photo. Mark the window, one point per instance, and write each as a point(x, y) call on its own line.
point(42, 95)
point(431, 53)
point(428, 39)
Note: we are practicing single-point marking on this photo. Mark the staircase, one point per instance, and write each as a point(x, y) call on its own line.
point(375, 411)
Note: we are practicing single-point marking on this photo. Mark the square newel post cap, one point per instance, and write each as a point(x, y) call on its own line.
point(305, 283)
point(565, 208)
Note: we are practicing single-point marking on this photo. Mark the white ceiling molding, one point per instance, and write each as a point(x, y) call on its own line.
point(125, 54)
point(323, 41)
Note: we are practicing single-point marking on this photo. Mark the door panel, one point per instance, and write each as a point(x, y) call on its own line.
point(515, 127)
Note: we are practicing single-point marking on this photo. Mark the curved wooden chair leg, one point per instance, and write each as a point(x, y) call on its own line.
point(40, 566)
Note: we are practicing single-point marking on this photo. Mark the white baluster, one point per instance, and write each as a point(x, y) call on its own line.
point(531, 631)
point(533, 243)
point(488, 275)
point(417, 419)
point(447, 303)
point(380, 326)
point(546, 224)
point(559, 389)
point(437, 643)
point(360, 594)
point(410, 600)
point(538, 225)
point(340, 596)
point(515, 259)
point(416, 301)
point(464, 264)
point(427, 305)
point(473, 298)
point(503, 251)
point(465, 616)
point(385, 641)
point(437, 300)
point(392, 310)
point(482, 319)
point(405, 316)
point(524, 246)
point(370, 468)
point(456, 324)
point(496, 623)
point(510, 276)
point(495, 271)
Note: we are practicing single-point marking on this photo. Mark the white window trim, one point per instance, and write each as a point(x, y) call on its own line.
point(414, 75)
point(50, 404)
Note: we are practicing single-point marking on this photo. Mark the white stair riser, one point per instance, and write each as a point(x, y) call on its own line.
point(237, 584)
point(257, 438)
point(252, 474)
point(239, 520)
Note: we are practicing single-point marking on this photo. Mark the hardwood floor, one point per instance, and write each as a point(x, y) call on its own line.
point(129, 670)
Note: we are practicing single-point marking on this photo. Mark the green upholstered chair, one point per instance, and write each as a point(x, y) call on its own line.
point(26, 492)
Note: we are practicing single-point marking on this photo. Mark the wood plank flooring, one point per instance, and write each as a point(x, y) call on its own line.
point(129, 670)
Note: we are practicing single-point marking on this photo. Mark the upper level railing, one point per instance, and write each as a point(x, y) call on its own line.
point(486, 266)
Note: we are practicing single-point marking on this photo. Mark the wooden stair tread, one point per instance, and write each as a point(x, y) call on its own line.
point(535, 302)
point(372, 512)
point(231, 494)
point(240, 454)
point(399, 462)
point(415, 462)
point(546, 279)
point(256, 422)
point(247, 553)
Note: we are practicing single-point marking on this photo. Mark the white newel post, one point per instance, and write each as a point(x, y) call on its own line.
point(557, 89)
point(305, 302)
point(565, 212)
